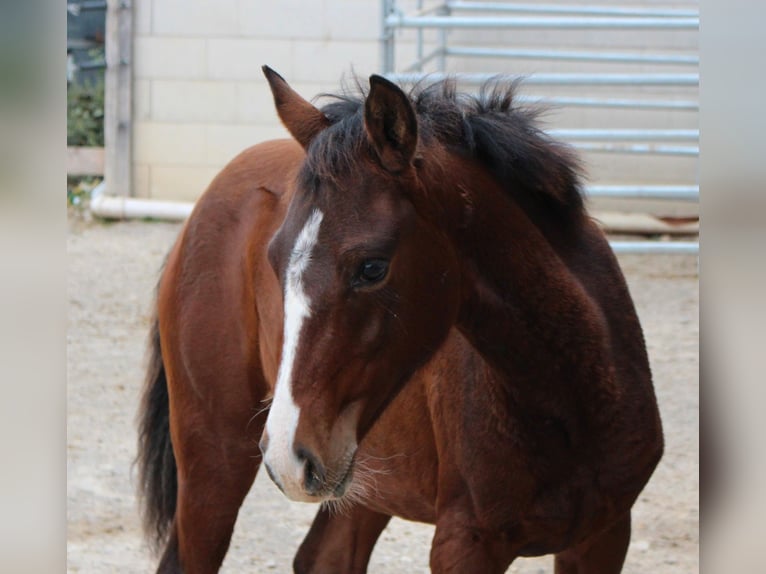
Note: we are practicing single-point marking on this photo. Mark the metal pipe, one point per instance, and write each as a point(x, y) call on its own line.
point(441, 62)
point(625, 134)
point(656, 247)
point(399, 20)
point(418, 65)
point(644, 149)
point(466, 51)
point(419, 52)
point(610, 103)
point(562, 9)
point(425, 11)
point(565, 79)
point(386, 38)
point(120, 207)
point(673, 192)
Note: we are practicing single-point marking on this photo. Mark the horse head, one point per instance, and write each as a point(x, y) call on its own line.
point(370, 284)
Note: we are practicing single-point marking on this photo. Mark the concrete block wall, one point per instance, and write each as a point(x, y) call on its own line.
point(199, 95)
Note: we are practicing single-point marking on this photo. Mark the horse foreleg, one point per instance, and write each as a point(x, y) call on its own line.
point(217, 460)
point(209, 497)
point(603, 553)
point(340, 543)
point(207, 507)
point(461, 545)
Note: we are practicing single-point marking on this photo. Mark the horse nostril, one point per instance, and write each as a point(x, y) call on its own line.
point(313, 472)
point(311, 481)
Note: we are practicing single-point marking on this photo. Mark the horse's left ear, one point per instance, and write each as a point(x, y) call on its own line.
point(390, 122)
point(301, 118)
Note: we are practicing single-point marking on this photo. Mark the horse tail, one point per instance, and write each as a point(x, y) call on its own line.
point(158, 484)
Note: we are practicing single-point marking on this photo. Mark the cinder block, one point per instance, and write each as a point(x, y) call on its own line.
point(328, 61)
point(169, 143)
point(255, 103)
point(142, 17)
point(142, 100)
point(241, 59)
point(271, 132)
point(353, 19)
point(193, 101)
point(224, 142)
point(169, 58)
point(204, 18)
point(175, 183)
point(286, 19)
point(140, 180)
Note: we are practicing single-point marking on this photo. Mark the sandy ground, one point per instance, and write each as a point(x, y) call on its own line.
point(112, 272)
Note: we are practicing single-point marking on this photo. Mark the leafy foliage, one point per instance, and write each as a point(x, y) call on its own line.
point(79, 188)
point(85, 115)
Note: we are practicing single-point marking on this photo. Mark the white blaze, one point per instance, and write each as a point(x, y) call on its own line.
point(283, 416)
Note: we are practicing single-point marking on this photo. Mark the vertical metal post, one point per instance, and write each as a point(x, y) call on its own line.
point(386, 38)
point(441, 60)
point(419, 54)
point(118, 98)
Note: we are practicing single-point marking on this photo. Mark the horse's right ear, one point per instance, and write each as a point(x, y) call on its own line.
point(301, 118)
point(390, 123)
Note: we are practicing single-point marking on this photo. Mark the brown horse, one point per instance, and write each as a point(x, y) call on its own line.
point(445, 335)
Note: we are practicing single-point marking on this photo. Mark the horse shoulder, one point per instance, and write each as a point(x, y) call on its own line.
point(217, 284)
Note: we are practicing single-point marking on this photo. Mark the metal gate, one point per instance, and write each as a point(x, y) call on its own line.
point(673, 93)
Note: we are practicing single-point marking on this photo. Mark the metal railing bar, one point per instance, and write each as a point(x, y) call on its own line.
point(387, 51)
point(419, 45)
point(651, 149)
point(610, 103)
point(429, 10)
point(418, 64)
point(672, 192)
point(626, 134)
point(563, 9)
point(656, 247)
point(679, 59)
point(441, 34)
point(400, 20)
point(564, 79)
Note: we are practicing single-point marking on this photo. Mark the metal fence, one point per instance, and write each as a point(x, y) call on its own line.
point(462, 14)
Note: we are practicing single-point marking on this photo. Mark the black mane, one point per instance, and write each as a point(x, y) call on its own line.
point(489, 127)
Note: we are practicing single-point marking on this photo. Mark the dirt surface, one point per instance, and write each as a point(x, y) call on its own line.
point(112, 272)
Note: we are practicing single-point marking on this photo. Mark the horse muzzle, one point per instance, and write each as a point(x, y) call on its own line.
point(302, 475)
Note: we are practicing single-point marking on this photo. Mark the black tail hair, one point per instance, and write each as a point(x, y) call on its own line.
point(158, 484)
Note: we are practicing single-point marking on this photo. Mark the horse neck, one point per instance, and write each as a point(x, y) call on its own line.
point(523, 309)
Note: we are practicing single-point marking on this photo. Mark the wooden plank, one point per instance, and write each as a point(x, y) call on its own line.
point(118, 104)
point(85, 161)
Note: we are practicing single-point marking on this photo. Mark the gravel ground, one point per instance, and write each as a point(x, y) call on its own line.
point(112, 272)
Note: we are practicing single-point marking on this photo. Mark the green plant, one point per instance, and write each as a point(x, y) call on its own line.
point(79, 188)
point(85, 115)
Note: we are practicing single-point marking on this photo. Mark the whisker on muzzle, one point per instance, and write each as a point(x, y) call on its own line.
point(363, 485)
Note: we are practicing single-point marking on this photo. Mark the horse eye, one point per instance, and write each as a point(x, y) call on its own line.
point(370, 272)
